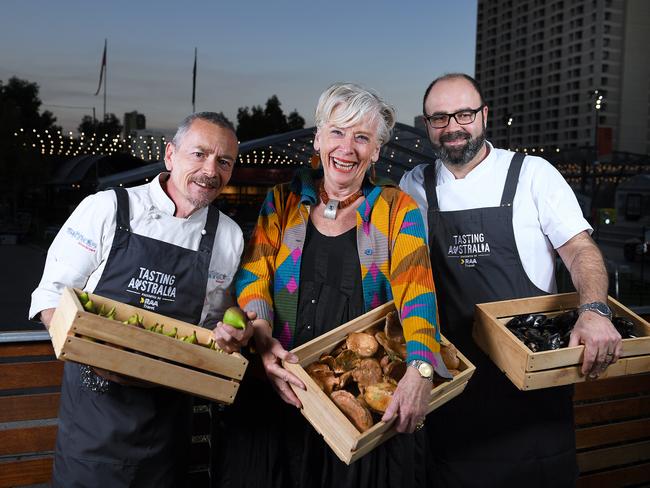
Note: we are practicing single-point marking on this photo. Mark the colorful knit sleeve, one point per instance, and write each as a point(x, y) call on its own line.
point(254, 280)
point(412, 283)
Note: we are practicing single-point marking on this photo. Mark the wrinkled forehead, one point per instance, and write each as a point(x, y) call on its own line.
point(449, 96)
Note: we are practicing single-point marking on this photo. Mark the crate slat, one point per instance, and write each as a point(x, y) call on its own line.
point(149, 369)
point(613, 456)
point(631, 430)
point(29, 407)
point(27, 440)
point(628, 476)
point(611, 387)
point(26, 349)
point(30, 375)
point(25, 472)
point(612, 410)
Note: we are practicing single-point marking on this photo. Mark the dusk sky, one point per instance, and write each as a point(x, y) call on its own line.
point(247, 51)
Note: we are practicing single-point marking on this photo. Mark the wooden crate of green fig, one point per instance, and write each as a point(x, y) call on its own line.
point(138, 343)
point(350, 374)
point(527, 339)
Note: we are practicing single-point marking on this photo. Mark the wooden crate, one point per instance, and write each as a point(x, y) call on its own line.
point(81, 336)
point(533, 370)
point(340, 434)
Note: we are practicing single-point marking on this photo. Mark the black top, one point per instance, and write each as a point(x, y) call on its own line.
point(330, 283)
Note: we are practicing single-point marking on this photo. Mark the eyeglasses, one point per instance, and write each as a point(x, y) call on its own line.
point(462, 117)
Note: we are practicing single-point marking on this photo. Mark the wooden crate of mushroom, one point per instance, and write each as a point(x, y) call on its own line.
point(350, 374)
point(527, 339)
point(145, 345)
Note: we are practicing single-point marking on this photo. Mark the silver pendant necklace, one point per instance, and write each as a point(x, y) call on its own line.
point(330, 209)
point(331, 205)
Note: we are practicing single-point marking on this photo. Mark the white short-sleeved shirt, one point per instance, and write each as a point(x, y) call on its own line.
point(79, 252)
point(546, 213)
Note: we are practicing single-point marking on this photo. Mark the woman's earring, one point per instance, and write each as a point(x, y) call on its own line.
point(373, 174)
point(314, 161)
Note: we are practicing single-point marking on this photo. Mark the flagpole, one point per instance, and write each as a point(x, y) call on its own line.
point(194, 84)
point(105, 78)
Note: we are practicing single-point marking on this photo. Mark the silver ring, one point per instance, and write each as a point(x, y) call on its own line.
point(419, 425)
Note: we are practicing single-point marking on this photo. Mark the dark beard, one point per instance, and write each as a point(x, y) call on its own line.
point(462, 155)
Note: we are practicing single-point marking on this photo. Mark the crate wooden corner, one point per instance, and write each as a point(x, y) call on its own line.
point(84, 337)
point(340, 434)
point(530, 370)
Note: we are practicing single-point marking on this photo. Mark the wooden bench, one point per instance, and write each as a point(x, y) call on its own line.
point(613, 431)
point(30, 379)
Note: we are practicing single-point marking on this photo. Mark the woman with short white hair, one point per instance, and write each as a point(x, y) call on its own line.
point(329, 246)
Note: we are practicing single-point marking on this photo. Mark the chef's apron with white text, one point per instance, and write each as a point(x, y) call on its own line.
point(115, 435)
point(492, 435)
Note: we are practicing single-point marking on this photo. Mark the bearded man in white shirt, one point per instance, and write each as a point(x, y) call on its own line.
point(163, 242)
point(495, 220)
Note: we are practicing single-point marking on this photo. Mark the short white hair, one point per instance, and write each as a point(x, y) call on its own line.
point(355, 103)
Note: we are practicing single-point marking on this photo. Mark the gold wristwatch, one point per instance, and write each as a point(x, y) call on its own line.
point(422, 367)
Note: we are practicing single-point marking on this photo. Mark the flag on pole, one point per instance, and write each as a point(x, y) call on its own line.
point(102, 69)
point(194, 83)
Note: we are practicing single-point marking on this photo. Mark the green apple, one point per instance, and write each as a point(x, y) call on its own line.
point(235, 317)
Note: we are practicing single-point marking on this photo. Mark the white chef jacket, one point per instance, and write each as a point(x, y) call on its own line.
point(546, 213)
point(79, 252)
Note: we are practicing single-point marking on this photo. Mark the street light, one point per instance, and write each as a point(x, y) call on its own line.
point(508, 120)
point(598, 102)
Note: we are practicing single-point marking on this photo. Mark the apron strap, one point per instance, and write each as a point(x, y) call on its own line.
point(122, 216)
point(512, 179)
point(430, 187)
point(210, 230)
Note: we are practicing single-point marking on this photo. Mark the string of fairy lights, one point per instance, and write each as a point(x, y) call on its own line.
point(57, 143)
point(298, 154)
point(291, 153)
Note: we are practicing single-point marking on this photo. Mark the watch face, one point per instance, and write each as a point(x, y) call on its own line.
point(602, 308)
point(425, 370)
point(598, 307)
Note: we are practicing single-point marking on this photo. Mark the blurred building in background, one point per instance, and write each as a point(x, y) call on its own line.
point(566, 73)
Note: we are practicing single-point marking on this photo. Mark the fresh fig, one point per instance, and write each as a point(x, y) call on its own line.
point(235, 317)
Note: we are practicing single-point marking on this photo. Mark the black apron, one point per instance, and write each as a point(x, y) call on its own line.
point(492, 434)
point(112, 435)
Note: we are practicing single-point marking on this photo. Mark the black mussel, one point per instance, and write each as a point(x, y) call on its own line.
point(533, 334)
point(553, 341)
point(526, 320)
point(519, 335)
point(566, 337)
point(624, 326)
point(564, 321)
point(538, 320)
point(517, 322)
point(532, 346)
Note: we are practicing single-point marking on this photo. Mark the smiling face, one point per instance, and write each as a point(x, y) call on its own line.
point(456, 144)
point(346, 152)
point(200, 165)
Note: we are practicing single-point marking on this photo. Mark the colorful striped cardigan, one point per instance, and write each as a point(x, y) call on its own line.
point(392, 251)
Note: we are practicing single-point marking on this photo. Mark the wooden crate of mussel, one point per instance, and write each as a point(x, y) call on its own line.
point(138, 343)
point(350, 374)
point(528, 340)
